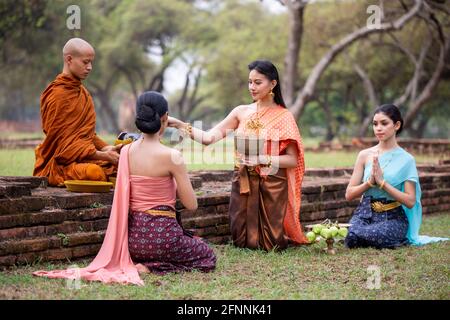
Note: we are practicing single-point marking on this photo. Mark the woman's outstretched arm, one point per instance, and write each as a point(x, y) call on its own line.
point(215, 134)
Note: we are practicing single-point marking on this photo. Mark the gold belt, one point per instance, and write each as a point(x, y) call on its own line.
point(169, 214)
point(378, 206)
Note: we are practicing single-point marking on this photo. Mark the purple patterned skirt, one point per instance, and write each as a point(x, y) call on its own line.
point(159, 243)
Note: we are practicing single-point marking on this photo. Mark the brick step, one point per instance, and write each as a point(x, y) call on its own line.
point(53, 242)
point(62, 199)
point(334, 214)
point(434, 177)
point(20, 205)
point(323, 197)
point(307, 207)
point(205, 221)
point(219, 239)
point(443, 207)
point(433, 168)
point(53, 229)
point(203, 211)
point(329, 172)
point(35, 182)
point(52, 216)
point(10, 190)
point(218, 230)
point(430, 201)
point(435, 193)
point(436, 185)
point(213, 175)
point(321, 186)
point(50, 255)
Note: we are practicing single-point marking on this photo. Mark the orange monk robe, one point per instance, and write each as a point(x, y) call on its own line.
point(68, 121)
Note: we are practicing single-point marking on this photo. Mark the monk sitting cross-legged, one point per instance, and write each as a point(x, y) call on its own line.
point(71, 149)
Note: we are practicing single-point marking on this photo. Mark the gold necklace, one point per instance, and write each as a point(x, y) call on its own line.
point(256, 124)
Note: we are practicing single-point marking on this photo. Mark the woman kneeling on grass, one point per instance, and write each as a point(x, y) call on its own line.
point(390, 213)
point(143, 228)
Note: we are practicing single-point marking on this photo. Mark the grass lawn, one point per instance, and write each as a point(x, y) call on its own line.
point(298, 273)
point(20, 162)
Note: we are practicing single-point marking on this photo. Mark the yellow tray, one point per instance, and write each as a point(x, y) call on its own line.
point(124, 142)
point(113, 181)
point(88, 186)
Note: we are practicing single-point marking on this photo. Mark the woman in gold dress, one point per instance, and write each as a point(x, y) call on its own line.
point(265, 197)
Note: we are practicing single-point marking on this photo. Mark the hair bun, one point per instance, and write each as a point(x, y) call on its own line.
point(150, 107)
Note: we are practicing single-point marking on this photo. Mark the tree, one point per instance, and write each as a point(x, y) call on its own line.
point(307, 91)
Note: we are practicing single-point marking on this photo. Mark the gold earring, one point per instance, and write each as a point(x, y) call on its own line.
point(271, 93)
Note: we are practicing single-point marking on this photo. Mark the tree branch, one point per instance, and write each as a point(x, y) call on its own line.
point(305, 94)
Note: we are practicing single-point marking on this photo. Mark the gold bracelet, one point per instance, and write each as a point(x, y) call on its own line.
point(382, 184)
point(368, 182)
point(269, 161)
point(187, 131)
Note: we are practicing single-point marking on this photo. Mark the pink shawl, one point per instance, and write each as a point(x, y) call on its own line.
point(113, 262)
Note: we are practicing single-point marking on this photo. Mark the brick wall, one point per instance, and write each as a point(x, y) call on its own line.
point(38, 223)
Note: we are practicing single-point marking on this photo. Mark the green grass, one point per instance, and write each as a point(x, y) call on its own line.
point(298, 273)
point(20, 162)
point(16, 162)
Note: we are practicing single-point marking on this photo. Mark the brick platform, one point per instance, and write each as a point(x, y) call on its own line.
point(39, 223)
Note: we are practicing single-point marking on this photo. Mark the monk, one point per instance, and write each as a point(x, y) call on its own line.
point(71, 149)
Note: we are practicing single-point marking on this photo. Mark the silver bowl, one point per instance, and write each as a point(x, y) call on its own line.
point(249, 145)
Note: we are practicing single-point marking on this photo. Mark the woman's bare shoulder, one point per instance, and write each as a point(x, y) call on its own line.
point(244, 108)
point(243, 111)
point(364, 156)
point(365, 153)
point(173, 157)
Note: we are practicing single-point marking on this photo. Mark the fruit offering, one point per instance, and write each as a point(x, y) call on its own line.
point(327, 230)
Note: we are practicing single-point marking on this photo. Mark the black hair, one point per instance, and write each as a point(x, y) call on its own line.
point(268, 69)
point(150, 107)
point(391, 111)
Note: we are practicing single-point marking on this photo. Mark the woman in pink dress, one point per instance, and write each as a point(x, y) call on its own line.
point(143, 234)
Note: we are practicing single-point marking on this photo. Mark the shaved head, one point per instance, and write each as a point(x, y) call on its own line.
point(77, 47)
point(78, 58)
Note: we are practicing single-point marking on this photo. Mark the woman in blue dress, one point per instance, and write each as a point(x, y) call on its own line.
point(385, 177)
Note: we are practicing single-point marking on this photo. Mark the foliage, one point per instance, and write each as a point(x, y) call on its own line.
point(138, 41)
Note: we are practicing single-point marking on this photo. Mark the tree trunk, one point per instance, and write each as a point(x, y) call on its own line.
point(329, 118)
point(291, 61)
point(431, 85)
point(371, 94)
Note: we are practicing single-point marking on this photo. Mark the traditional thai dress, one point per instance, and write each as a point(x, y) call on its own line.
point(160, 242)
point(155, 238)
point(68, 121)
point(397, 226)
point(265, 203)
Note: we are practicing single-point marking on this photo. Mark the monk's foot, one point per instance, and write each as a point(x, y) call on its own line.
point(141, 268)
